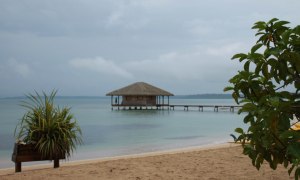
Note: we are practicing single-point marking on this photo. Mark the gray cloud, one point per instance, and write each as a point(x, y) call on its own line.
point(90, 47)
point(102, 66)
point(11, 68)
point(19, 68)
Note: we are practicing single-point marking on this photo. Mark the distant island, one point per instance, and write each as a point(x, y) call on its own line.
point(203, 96)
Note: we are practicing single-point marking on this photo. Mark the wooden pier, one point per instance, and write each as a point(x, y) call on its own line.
point(216, 108)
point(201, 107)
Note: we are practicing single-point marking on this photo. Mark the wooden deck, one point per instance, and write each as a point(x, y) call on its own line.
point(139, 107)
point(215, 108)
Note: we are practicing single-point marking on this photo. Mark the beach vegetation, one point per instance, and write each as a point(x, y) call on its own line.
point(53, 130)
point(268, 89)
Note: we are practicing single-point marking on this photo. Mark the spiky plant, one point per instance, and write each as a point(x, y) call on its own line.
point(52, 129)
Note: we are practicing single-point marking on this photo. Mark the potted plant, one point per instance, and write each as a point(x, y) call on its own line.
point(50, 132)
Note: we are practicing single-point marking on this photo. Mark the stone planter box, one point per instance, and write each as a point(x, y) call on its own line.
point(27, 153)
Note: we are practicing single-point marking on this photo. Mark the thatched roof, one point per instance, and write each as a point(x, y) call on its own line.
point(139, 89)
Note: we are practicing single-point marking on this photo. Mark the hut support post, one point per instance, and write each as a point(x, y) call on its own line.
point(159, 101)
point(163, 101)
point(111, 99)
point(118, 102)
point(168, 102)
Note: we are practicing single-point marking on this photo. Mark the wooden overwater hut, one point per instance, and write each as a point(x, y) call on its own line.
point(139, 95)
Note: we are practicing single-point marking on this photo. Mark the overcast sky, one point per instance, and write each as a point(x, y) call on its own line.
point(91, 47)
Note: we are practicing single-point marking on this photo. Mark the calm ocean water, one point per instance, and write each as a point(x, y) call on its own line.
point(111, 133)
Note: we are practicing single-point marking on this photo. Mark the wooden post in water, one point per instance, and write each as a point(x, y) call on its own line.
point(216, 109)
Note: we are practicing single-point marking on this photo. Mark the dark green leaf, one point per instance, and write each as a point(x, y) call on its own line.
point(280, 24)
point(265, 70)
point(273, 62)
point(246, 66)
point(286, 94)
point(259, 161)
point(228, 88)
point(293, 150)
point(240, 56)
point(248, 107)
point(248, 118)
point(239, 130)
point(260, 33)
point(255, 57)
point(258, 68)
point(272, 20)
point(296, 30)
point(297, 85)
point(259, 25)
point(235, 96)
point(272, 51)
point(285, 37)
point(256, 47)
point(297, 173)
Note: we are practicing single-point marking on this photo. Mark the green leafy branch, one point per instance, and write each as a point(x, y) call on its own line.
point(267, 87)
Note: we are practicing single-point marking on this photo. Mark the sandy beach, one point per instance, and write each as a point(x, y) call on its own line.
point(219, 162)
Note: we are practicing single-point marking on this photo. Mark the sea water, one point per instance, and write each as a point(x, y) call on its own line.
point(108, 133)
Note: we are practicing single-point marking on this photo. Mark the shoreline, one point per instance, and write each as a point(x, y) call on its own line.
point(221, 161)
point(95, 155)
point(25, 167)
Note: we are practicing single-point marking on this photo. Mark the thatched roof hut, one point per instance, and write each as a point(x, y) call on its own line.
point(139, 88)
point(140, 94)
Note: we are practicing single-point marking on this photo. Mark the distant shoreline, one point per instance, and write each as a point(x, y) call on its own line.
point(193, 96)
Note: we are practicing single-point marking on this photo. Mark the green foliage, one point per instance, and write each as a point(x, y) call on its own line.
point(267, 88)
point(52, 129)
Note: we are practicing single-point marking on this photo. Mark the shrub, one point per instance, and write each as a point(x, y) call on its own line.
point(52, 129)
